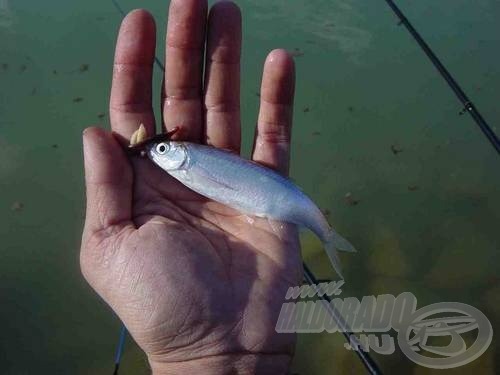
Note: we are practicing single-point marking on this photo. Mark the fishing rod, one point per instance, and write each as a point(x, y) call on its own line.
point(343, 326)
point(119, 349)
point(364, 357)
point(468, 106)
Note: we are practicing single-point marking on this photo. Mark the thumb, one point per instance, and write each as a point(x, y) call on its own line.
point(108, 180)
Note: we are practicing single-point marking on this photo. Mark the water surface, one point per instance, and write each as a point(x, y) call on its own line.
point(372, 118)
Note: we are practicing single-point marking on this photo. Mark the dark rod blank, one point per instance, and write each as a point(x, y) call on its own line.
point(364, 357)
point(467, 103)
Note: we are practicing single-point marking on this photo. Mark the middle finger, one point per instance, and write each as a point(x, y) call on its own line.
point(222, 77)
point(182, 91)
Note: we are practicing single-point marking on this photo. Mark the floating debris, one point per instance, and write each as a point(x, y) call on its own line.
point(55, 145)
point(257, 94)
point(78, 99)
point(306, 109)
point(296, 52)
point(396, 149)
point(33, 92)
point(326, 212)
point(350, 109)
point(413, 187)
point(101, 115)
point(350, 199)
point(22, 68)
point(316, 133)
point(16, 206)
point(54, 72)
point(83, 68)
point(100, 18)
point(5, 66)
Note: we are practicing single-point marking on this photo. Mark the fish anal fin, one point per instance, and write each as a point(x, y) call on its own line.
point(277, 227)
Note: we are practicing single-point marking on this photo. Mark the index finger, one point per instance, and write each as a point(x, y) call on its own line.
point(131, 97)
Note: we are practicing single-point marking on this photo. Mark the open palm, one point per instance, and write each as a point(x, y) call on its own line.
point(198, 285)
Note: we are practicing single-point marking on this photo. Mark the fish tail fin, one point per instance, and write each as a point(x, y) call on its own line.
point(333, 255)
point(341, 243)
point(334, 244)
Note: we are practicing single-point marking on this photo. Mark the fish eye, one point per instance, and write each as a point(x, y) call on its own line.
point(161, 148)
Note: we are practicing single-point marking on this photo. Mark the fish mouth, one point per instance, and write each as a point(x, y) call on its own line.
point(140, 148)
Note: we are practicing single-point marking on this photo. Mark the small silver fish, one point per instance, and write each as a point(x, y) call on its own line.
point(247, 187)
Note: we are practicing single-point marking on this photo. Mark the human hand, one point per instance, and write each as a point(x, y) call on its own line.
point(197, 284)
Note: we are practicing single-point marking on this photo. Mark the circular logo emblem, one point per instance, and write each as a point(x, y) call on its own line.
point(453, 320)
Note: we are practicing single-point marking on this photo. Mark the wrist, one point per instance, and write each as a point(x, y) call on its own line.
point(241, 364)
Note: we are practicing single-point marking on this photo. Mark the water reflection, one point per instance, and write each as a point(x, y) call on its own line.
point(10, 158)
point(339, 22)
point(6, 16)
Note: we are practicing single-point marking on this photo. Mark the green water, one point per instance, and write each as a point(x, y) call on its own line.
point(427, 218)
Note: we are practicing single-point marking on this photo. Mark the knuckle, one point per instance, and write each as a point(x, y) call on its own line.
point(221, 106)
point(183, 93)
point(274, 132)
